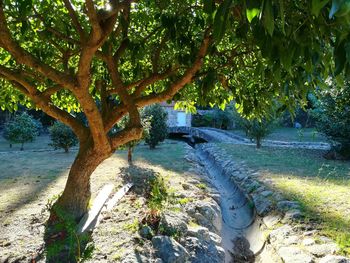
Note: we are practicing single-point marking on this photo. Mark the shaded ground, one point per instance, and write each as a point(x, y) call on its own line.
point(41, 142)
point(30, 179)
point(321, 186)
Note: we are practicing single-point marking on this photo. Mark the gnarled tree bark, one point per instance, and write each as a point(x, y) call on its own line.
point(77, 192)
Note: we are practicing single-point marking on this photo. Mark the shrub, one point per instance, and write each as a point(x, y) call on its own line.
point(333, 120)
point(21, 129)
point(215, 118)
point(258, 129)
point(62, 137)
point(158, 128)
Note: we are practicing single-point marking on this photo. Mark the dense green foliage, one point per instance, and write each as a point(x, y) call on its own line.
point(258, 129)
point(21, 129)
point(157, 117)
point(62, 137)
point(333, 119)
point(277, 48)
point(217, 118)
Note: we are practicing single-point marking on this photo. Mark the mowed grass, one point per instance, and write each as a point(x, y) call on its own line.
point(40, 143)
point(291, 135)
point(321, 186)
point(28, 178)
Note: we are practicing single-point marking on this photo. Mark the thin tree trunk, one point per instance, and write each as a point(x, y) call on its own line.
point(130, 149)
point(258, 142)
point(77, 193)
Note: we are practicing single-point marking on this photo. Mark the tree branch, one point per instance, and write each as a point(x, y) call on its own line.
point(44, 103)
point(185, 79)
point(125, 136)
point(75, 20)
point(23, 57)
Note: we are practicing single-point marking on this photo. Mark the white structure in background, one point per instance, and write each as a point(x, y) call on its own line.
point(177, 118)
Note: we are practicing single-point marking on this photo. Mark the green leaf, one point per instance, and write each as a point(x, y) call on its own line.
point(268, 18)
point(282, 15)
point(208, 6)
point(347, 51)
point(339, 58)
point(317, 5)
point(251, 13)
point(220, 20)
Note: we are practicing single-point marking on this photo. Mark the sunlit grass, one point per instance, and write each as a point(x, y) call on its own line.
point(291, 134)
point(321, 186)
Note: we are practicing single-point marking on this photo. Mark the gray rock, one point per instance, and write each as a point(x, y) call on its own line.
point(287, 205)
point(271, 220)
point(292, 214)
point(291, 240)
point(262, 204)
point(308, 242)
point(241, 251)
point(169, 250)
point(334, 259)
point(266, 193)
point(320, 250)
point(134, 257)
point(215, 238)
point(173, 222)
point(294, 255)
point(202, 233)
point(146, 232)
point(207, 213)
point(202, 251)
point(281, 233)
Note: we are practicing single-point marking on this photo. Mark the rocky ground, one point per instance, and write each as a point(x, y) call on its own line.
point(188, 229)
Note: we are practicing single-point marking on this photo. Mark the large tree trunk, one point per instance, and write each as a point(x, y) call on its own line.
point(77, 193)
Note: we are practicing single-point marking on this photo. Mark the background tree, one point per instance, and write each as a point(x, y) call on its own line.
point(62, 137)
point(21, 129)
point(158, 128)
point(259, 129)
point(145, 121)
point(64, 56)
point(333, 120)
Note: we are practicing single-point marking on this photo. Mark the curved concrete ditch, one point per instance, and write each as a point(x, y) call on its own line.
point(239, 218)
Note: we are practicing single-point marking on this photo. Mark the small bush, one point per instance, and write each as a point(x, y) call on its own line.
point(215, 118)
point(158, 128)
point(62, 137)
point(23, 128)
point(333, 120)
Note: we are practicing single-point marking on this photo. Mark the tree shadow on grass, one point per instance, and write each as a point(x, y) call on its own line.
point(24, 177)
point(168, 155)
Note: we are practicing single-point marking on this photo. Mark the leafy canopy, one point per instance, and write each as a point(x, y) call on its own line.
point(125, 53)
point(62, 137)
point(21, 129)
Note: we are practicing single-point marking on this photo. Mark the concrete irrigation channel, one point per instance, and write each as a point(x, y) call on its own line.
point(239, 220)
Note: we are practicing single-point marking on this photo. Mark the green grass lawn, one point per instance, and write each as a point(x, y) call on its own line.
point(291, 134)
point(41, 142)
point(321, 186)
point(26, 176)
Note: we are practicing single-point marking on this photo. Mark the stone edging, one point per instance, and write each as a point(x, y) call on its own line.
point(274, 143)
point(286, 239)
